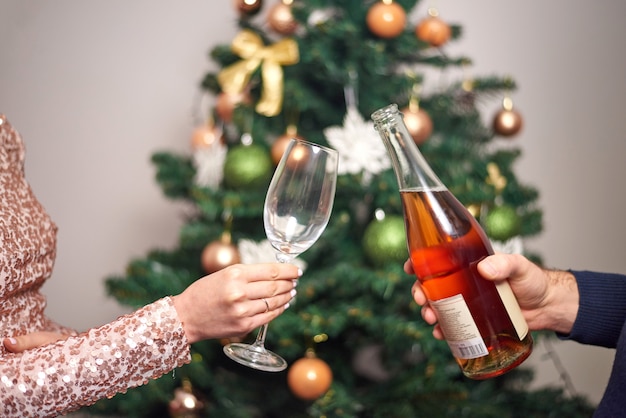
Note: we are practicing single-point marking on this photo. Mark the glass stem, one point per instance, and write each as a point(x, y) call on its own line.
point(260, 338)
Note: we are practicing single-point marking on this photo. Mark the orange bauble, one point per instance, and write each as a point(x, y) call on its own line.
point(507, 122)
point(205, 136)
point(298, 156)
point(309, 377)
point(226, 104)
point(248, 7)
point(418, 123)
point(433, 30)
point(280, 144)
point(186, 403)
point(280, 18)
point(386, 19)
point(219, 254)
point(230, 340)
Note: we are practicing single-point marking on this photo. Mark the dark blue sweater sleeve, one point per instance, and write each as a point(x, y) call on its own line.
point(602, 309)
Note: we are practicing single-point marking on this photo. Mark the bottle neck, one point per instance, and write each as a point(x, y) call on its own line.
point(411, 169)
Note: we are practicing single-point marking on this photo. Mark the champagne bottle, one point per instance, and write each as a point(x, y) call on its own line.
point(481, 320)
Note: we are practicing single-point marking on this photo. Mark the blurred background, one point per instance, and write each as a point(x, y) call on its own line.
point(96, 87)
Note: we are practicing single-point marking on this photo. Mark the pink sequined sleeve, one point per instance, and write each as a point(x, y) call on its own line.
point(64, 376)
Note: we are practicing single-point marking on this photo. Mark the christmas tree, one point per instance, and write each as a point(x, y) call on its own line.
point(354, 338)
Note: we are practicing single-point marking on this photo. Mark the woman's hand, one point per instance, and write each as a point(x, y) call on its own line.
point(228, 303)
point(234, 301)
point(19, 343)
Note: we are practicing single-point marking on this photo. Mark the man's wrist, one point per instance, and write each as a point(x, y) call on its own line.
point(562, 302)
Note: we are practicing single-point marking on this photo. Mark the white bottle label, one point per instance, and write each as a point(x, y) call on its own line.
point(459, 328)
point(512, 308)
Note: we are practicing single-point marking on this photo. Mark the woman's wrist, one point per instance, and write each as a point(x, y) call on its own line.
point(181, 312)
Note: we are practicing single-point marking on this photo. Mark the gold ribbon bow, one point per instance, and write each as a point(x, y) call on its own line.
point(249, 46)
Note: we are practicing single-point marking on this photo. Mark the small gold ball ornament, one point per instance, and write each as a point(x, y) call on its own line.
point(230, 340)
point(280, 144)
point(299, 155)
point(185, 403)
point(219, 254)
point(309, 377)
point(248, 7)
point(508, 121)
point(280, 18)
point(418, 123)
point(205, 136)
point(386, 19)
point(227, 103)
point(433, 30)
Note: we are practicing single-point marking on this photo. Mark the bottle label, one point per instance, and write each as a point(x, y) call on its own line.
point(512, 308)
point(459, 328)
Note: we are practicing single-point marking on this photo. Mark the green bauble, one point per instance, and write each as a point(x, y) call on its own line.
point(384, 241)
point(502, 223)
point(247, 167)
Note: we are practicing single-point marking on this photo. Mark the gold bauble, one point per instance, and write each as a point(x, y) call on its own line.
point(309, 377)
point(230, 340)
point(186, 404)
point(205, 136)
point(226, 104)
point(507, 122)
point(248, 7)
point(386, 19)
point(281, 20)
point(280, 144)
point(298, 155)
point(219, 254)
point(433, 30)
point(418, 123)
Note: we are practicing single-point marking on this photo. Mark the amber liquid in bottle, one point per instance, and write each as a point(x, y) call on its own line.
point(481, 321)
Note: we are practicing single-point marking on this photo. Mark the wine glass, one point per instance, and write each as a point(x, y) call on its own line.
point(297, 209)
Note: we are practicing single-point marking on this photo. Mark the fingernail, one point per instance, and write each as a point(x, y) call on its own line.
point(295, 283)
point(300, 272)
point(293, 292)
point(12, 340)
point(287, 305)
point(489, 268)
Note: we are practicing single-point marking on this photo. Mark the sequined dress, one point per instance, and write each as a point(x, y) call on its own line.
point(64, 376)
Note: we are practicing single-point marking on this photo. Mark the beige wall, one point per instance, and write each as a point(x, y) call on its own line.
point(96, 87)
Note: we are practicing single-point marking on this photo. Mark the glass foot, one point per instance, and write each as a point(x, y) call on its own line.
point(255, 356)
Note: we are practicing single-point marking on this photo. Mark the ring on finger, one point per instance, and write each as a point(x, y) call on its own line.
point(267, 305)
